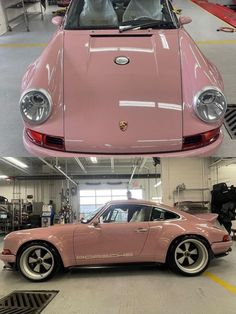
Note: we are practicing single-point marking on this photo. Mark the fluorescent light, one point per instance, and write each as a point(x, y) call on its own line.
point(2, 176)
point(16, 162)
point(157, 184)
point(94, 160)
point(156, 198)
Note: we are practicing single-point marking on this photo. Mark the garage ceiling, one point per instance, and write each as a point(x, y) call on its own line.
point(79, 167)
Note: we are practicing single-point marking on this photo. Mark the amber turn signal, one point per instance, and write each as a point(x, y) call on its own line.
point(6, 252)
point(226, 238)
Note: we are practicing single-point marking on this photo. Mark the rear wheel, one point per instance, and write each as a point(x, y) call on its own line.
point(38, 261)
point(189, 256)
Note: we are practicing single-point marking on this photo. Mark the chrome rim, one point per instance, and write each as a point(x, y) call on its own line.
point(37, 262)
point(191, 256)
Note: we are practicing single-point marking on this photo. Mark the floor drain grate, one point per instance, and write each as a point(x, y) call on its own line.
point(230, 121)
point(26, 302)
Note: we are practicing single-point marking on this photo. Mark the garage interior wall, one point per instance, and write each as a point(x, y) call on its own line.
point(195, 173)
point(223, 172)
point(45, 190)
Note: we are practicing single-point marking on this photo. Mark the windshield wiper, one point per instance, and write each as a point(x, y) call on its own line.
point(160, 24)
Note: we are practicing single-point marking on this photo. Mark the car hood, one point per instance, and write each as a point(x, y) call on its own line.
point(133, 108)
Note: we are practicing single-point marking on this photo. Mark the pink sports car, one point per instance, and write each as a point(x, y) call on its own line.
point(122, 77)
point(131, 231)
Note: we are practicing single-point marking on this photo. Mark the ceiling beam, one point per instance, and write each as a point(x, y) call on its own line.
point(66, 175)
point(90, 177)
point(48, 164)
point(80, 164)
point(132, 174)
point(112, 165)
point(142, 164)
point(57, 169)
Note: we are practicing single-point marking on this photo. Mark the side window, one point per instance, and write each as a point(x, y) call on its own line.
point(115, 214)
point(139, 213)
point(119, 215)
point(162, 214)
point(126, 214)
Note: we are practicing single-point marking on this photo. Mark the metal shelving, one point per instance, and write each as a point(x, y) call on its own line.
point(181, 195)
point(23, 6)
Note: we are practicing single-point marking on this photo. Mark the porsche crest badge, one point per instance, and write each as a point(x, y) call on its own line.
point(123, 125)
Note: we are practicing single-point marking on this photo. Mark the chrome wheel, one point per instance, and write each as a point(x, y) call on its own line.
point(37, 262)
point(191, 256)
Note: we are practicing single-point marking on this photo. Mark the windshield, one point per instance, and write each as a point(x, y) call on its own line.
point(91, 215)
point(120, 14)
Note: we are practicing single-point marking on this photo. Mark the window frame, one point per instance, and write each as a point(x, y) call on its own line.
point(178, 217)
point(147, 207)
point(78, 4)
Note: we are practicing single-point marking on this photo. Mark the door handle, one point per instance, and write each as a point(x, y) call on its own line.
point(140, 230)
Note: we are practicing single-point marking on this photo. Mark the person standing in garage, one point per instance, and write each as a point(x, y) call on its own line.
point(227, 215)
point(52, 212)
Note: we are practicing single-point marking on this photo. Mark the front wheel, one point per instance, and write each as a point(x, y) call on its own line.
point(189, 256)
point(38, 262)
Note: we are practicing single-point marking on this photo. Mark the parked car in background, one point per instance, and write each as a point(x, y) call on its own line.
point(122, 77)
point(132, 231)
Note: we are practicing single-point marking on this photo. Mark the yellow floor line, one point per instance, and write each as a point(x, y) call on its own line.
point(216, 42)
point(221, 282)
point(21, 45)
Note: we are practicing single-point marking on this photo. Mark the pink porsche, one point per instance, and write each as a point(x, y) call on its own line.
point(131, 231)
point(122, 77)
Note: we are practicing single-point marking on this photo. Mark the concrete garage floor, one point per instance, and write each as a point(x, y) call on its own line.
point(19, 48)
point(136, 290)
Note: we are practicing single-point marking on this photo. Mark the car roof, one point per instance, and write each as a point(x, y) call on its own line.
point(141, 202)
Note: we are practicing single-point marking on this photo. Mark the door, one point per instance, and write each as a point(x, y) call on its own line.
point(118, 237)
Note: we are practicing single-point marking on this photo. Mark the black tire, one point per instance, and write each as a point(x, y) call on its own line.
point(189, 256)
point(38, 261)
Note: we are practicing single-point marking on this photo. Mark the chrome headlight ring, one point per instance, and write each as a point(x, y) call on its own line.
point(210, 104)
point(35, 106)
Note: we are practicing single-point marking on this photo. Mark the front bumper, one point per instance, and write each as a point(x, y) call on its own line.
point(39, 151)
point(221, 248)
point(8, 260)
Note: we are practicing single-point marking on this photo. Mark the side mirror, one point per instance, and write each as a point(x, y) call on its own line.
point(96, 222)
point(185, 20)
point(83, 220)
point(57, 20)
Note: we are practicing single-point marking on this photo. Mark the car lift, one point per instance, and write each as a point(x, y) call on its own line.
point(227, 13)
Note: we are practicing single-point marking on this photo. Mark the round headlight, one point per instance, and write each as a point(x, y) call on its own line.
point(36, 106)
point(210, 105)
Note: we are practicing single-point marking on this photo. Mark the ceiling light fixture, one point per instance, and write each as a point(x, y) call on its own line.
point(2, 176)
point(157, 184)
point(156, 198)
point(16, 162)
point(94, 160)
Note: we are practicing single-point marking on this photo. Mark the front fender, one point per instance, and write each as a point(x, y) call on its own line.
point(197, 73)
point(62, 241)
point(47, 73)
